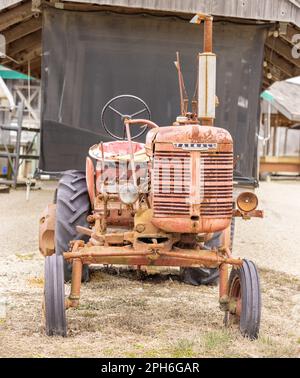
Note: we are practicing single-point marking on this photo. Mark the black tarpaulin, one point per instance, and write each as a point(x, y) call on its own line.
point(89, 57)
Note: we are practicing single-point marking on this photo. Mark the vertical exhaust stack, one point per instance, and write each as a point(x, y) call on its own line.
point(207, 74)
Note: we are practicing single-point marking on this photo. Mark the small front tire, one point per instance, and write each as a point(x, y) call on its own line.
point(54, 292)
point(244, 300)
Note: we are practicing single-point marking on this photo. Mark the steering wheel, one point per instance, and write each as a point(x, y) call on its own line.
point(114, 106)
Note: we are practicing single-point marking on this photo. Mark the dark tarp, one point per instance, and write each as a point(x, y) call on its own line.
point(89, 57)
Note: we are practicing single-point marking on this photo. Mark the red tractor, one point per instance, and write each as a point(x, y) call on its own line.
point(168, 202)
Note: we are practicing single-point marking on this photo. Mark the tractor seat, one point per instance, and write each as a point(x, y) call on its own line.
point(119, 151)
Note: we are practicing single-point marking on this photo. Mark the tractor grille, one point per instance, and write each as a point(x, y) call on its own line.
point(172, 182)
point(170, 192)
point(218, 173)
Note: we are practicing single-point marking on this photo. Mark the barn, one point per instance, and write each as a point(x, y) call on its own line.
point(86, 52)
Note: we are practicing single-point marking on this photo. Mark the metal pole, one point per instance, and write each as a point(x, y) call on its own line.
point(208, 34)
point(274, 141)
point(207, 48)
point(18, 142)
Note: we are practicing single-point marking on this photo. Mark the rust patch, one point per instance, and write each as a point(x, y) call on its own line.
point(46, 230)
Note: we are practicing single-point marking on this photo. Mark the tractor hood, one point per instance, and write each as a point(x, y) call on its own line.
point(188, 134)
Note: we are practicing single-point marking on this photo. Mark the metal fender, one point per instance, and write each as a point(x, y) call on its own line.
point(90, 179)
point(46, 231)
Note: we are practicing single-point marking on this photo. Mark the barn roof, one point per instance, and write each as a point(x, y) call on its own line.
point(20, 23)
point(271, 10)
point(266, 10)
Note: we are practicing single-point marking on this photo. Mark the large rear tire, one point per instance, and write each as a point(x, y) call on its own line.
point(203, 276)
point(206, 276)
point(72, 208)
point(244, 300)
point(54, 296)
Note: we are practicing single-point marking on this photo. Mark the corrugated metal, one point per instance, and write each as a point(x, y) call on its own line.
point(8, 3)
point(272, 10)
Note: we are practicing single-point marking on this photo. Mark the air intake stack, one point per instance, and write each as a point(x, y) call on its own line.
point(206, 73)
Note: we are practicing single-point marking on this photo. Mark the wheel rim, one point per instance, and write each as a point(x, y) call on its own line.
point(244, 296)
point(235, 299)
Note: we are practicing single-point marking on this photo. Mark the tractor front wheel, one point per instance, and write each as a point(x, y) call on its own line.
point(244, 300)
point(54, 296)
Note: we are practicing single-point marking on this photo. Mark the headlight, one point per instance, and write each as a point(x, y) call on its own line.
point(237, 190)
point(247, 202)
point(128, 194)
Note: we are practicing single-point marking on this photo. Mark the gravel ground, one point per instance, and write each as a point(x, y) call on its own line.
point(121, 316)
point(273, 242)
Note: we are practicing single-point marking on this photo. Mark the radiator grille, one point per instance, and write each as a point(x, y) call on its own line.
point(218, 172)
point(171, 191)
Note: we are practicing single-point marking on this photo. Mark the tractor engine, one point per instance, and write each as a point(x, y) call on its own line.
point(192, 178)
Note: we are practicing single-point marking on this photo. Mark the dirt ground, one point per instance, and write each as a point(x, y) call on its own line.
point(159, 316)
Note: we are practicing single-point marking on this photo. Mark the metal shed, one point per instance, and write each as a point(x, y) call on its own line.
point(281, 112)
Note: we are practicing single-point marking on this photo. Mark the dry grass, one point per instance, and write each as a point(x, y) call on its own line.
point(122, 316)
point(25, 256)
point(158, 316)
point(36, 281)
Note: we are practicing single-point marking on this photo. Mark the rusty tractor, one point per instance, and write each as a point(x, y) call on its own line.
point(160, 203)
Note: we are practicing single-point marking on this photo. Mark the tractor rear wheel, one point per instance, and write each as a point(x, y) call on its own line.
point(206, 276)
point(72, 208)
point(54, 296)
point(203, 276)
point(244, 300)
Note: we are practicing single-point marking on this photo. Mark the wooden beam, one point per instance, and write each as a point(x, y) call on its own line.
point(21, 30)
point(29, 55)
point(25, 43)
point(23, 57)
point(35, 62)
point(280, 62)
point(278, 75)
point(267, 81)
point(290, 32)
point(275, 76)
point(279, 164)
point(14, 15)
point(34, 73)
point(35, 67)
point(282, 48)
point(279, 120)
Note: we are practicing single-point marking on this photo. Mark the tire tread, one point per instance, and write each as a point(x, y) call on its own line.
point(73, 206)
